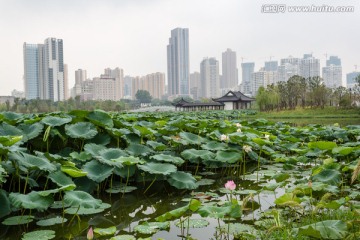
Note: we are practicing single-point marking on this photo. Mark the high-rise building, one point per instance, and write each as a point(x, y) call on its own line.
point(334, 60)
point(154, 83)
point(66, 82)
point(195, 85)
point(44, 70)
point(350, 79)
point(178, 62)
point(271, 66)
point(128, 87)
point(309, 66)
point(247, 71)
point(80, 76)
point(229, 78)
point(262, 78)
point(288, 67)
point(332, 76)
point(209, 75)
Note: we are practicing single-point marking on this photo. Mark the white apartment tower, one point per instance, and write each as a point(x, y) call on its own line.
point(209, 75)
point(229, 80)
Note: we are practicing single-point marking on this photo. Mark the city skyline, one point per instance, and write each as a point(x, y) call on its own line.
point(136, 39)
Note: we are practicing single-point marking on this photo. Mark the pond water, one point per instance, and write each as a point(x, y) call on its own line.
point(322, 121)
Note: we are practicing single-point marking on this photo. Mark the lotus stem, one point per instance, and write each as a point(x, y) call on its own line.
point(127, 179)
point(72, 219)
point(150, 185)
point(26, 181)
point(46, 183)
point(258, 166)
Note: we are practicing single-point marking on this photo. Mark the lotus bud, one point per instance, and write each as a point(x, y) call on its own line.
point(230, 185)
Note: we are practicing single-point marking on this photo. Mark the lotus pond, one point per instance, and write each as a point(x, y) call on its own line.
point(204, 175)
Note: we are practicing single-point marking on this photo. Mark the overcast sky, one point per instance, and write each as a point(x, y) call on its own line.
point(133, 34)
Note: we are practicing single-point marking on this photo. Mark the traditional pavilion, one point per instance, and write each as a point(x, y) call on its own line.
point(230, 101)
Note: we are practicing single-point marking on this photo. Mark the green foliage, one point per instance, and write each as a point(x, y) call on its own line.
point(143, 96)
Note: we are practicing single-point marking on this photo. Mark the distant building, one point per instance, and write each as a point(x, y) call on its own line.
point(195, 85)
point(247, 70)
point(333, 60)
point(17, 94)
point(44, 70)
point(262, 78)
point(332, 76)
point(128, 87)
point(350, 79)
point(229, 78)
point(66, 82)
point(309, 66)
point(178, 63)
point(154, 83)
point(7, 99)
point(209, 74)
point(271, 66)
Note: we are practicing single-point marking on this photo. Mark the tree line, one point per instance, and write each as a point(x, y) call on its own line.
point(301, 92)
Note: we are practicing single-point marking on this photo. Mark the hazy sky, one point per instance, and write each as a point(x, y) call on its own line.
point(133, 34)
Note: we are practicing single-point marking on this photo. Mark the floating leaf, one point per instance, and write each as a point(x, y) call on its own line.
point(329, 229)
point(152, 227)
point(329, 176)
point(105, 231)
point(18, 220)
point(83, 130)
point(121, 188)
point(192, 223)
point(51, 221)
point(87, 211)
point(158, 168)
point(214, 211)
point(39, 235)
point(288, 199)
point(239, 230)
point(80, 198)
point(123, 237)
point(32, 200)
point(343, 150)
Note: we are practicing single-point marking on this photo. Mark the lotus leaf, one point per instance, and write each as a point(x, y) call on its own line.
point(31, 130)
point(73, 171)
point(111, 156)
point(18, 220)
point(9, 140)
point(32, 200)
point(97, 171)
point(191, 138)
point(82, 199)
point(123, 237)
point(214, 146)
point(11, 117)
point(151, 227)
point(328, 229)
point(82, 156)
point(105, 231)
point(55, 121)
point(9, 130)
point(343, 151)
point(158, 168)
point(121, 188)
point(329, 176)
point(168, 158)
point(61, 179)
point(182, 180)
point(322, 145)
point(51, 221)
point(87, 211)
point(192, 223)
point(138, 149)
point(239, 230)
point(4, 203)
point(156, 145)
point(214, 211)
point(288, 199)
point(228, 156)
point(39, 235)
point(194, 155)
point(93, 149)
point(176, 213)
point(30, 161)
point(205, 182)
point(83, 130)
point(100, 118)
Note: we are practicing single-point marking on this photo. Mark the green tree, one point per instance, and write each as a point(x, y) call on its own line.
point(143, 96)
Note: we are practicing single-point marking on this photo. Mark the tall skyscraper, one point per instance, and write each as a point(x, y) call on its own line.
point(209, 74)
point(262, 78)
point(178, 62)
point(44, 70)
point(229, 78)
point(80, 76)
point(195, 85)
point(309, 66)
point(332, 76)
point(334, 60)
point(128, 87)
point(247, 71)
point(350, 79)
point(66, 82)
point(271, 66)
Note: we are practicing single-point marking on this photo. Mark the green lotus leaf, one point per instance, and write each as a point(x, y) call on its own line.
point(128, 161)
point(191, 138)
point(51, 221)
point(118, 132)
point(205, 182)
point(182, 180)
point(55, 121)
point(126, 171)
point(30, 161)
point(214, 146)
point(100, 118)
point(281, 177)
point(31, 131)
point(158, 168)
point(9, 130)
point(59, 205)
point(329, 176)
point(261, 141)
point(82, 156)
point(123, 237)
point(4, 203)
point(168, 158)
point(343, 151)
point(228, 156)
point(138, 149)
point(93, 149)
point(176, 213)
point(239, 230)
point(18, 220)
point(120, 188)
point(328, 229)
point(194, 155)
point(82, 199)
point(192, 223)
point(87, 211)
point(32, 200)
point(112, 156)
point(322, 145)
point(105, 231)
point(9, 140)
point(83, 130)
point(61, 179)
point(73, 171)
point(214, 211)
point(143, 131)
point(97, 171)
point(152, 227)
point(39, 235)
point(11, 117)
point(288, 199)
point(46, 193)
point(156, 145)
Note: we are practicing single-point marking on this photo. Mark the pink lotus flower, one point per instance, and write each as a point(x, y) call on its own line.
point(230, 185)
point(90, 234)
